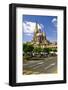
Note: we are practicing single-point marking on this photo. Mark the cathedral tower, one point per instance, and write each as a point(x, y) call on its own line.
point(39, 37)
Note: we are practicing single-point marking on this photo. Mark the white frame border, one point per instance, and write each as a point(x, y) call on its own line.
point(42, 77)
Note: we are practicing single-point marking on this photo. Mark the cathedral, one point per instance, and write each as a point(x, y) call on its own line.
point(39, 39)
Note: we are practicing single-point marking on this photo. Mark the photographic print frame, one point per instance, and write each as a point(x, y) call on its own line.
point(15, 14)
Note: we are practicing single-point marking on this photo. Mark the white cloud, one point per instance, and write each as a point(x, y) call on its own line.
point(54, 21)
point(29, 27)
point(29, 34)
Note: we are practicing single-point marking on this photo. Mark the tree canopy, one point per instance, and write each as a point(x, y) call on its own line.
point(27, 48)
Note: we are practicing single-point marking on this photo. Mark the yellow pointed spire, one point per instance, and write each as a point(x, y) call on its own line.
point(35, 32)
point(36, 28)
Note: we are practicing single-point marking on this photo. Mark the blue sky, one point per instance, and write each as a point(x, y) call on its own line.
point(48, 24)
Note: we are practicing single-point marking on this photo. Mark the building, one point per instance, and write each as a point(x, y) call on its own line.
point(39, 39)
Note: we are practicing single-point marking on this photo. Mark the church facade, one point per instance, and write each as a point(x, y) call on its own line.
point(39, 39)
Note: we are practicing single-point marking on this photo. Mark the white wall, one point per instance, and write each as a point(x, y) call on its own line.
point(4, 41)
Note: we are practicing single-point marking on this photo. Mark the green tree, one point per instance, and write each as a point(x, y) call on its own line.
point(37, 49)
point(27, 48)
point(47, 50)
point(54, 49)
